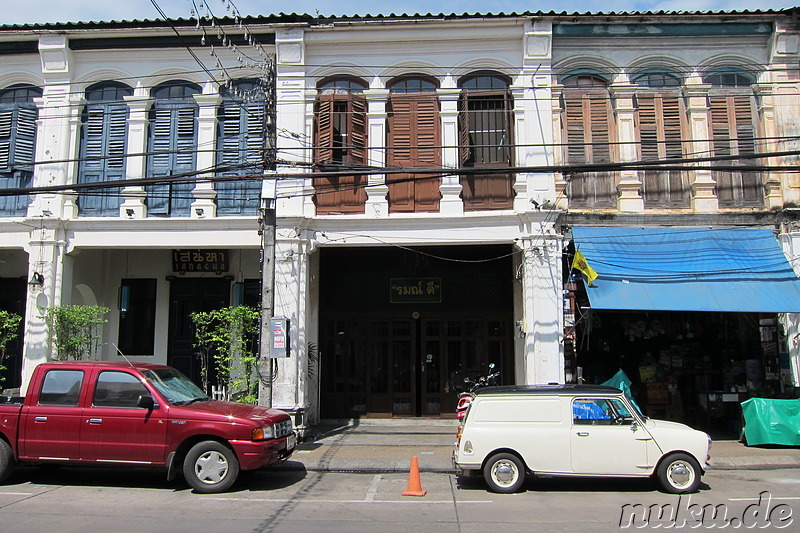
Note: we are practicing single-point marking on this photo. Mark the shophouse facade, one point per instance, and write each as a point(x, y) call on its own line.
point(424, 206)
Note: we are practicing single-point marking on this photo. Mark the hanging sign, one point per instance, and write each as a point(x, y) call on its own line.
point(200, 261)
point(415, 290)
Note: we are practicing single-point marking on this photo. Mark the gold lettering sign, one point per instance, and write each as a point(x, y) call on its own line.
point(415, 290)
point(200, 261)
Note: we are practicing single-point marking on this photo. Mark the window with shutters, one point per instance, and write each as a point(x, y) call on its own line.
point(340, 147)
point(18, 114)
point(588, 130)
point(244, 144)
point(413, 141)
point(172, 148)
point(103, 148)
point(733, 121)
point(486, 142)
point(661, 123)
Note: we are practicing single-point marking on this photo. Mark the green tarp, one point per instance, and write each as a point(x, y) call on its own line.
point(768, 421)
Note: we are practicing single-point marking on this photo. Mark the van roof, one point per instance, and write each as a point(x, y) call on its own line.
point(559, 389)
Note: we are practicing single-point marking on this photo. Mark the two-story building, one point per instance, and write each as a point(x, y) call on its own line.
point(432, 186)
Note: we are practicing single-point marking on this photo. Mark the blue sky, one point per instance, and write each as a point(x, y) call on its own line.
point(41, 11)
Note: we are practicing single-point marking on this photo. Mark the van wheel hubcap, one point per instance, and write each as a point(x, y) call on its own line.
point(504, 472)
point(680, 474)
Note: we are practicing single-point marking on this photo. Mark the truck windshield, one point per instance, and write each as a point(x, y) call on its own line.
point(174, 386)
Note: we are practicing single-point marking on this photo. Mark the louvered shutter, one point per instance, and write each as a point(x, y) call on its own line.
point(464, 144)
point(660, 138)
point(160, 160)
point(241, 134)
point(103, 145)
point(733, 131)
point(429, 153)
point(401, 187)
point(352, 192)
point(92, 163)
point(25, 141)
point(324, 120)
point(6, 126)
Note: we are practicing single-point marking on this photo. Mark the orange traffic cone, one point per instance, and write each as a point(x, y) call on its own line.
point(414, 486)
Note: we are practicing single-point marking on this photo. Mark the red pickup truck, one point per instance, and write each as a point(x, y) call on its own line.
point(110, 413)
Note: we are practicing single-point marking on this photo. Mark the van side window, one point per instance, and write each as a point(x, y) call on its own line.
point(591, 411)
point(117, 389)
point(61, 387)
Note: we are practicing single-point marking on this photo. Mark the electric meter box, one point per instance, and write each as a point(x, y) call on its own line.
point(279, 337)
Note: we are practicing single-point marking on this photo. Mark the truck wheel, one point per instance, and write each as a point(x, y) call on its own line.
point(6, 460)
point(678, 474)
point(210, 467)
point(504, 473)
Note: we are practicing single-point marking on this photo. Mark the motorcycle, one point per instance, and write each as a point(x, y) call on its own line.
point(465, 398)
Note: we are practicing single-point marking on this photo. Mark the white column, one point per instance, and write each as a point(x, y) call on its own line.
point(135, 168)
point(561, 201)
point(542, 301)
point(781, 76)
point(702, 181)
point(630, 185)
point(451, 203)
point(377, 191)
point(203, 205)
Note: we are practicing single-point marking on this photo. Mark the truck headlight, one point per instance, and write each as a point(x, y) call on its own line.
point(264, 433)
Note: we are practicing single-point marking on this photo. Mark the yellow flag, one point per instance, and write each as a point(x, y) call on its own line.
point(579, 263)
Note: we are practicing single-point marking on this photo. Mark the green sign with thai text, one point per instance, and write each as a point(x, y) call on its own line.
point(415, 290)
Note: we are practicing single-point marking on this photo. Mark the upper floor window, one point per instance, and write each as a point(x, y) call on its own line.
point(486, 141)
point(340, 143)
point(18, 114)
point(172, 147)
point(733, 123)
point(103, 145)
point(661, 126)
point(588, 131)
point(413, 140)
point(244, 145)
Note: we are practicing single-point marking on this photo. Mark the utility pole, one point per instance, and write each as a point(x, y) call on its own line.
point(267, 231)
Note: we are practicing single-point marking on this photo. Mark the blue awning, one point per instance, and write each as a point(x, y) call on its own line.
point(688, 269)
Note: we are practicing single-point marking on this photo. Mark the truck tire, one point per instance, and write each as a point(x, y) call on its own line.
point(504, 473)
point(678, 474)
point(210, 467)
point(6, 460)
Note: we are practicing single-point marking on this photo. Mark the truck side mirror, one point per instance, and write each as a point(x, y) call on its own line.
point(146, 401)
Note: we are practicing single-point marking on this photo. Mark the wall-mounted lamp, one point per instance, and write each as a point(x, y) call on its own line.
point(129, 213)
point(36, 281)
point(200, 212)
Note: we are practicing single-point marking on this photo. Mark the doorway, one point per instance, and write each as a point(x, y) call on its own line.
point(13, 293)
point(187, 296)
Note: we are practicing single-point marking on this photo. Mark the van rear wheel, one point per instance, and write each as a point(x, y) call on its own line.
point(504, 473)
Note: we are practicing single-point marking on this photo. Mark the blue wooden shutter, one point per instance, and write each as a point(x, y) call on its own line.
point(241, 134)
point(17, 151)
point(104, 137)
point(25, 142)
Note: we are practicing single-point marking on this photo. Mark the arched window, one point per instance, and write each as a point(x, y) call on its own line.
point(103, 146)
point(661, 127)
point(588, 130)
point(18, 114)
point(245, 145)
point(340, 144)
point(733, 121)
point(486, 141)
point(413, 140)
point(172, 147)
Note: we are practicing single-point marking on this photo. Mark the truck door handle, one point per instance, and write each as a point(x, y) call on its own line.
point(583, 433)
point(95, 421)
point(40, 419)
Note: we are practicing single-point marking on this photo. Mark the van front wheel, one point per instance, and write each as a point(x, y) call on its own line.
point(504, 473)
point(678, 474)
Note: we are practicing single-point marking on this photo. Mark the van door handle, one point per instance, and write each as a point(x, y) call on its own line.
point(95, 421)
point(583, 433)
point(40, 419)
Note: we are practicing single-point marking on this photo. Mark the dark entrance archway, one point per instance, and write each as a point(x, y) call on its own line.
point(382, 356)
point(186, 296)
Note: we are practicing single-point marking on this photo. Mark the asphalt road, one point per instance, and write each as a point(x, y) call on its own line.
point(68, 500)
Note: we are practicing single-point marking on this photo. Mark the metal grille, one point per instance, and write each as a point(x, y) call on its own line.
point(283, 428)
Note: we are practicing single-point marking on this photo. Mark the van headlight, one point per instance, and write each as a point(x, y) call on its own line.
point(264, 433)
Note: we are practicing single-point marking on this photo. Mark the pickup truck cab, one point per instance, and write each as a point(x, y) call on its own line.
point(574, 430)
point(120, 414)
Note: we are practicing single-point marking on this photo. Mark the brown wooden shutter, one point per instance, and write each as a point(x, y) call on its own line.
point(429, 152)
point(401, 187)
point(660, 136)
point(464, 144)
point(324, 130)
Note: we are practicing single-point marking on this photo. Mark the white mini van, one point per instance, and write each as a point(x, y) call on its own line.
point(574, 430)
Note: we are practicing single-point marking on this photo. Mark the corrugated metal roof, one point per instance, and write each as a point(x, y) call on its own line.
point(294, 18)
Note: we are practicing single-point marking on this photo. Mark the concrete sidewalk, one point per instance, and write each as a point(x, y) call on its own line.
point(387, 446)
